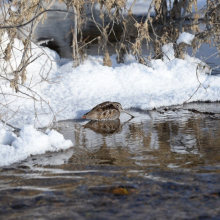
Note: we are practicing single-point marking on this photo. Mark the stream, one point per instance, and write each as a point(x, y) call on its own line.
point(163, 164)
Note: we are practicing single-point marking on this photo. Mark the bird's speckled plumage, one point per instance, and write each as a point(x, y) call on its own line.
point(105, 111)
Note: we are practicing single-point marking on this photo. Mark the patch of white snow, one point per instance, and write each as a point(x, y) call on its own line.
point(168, 52)
point(6, 137)
point(186, 38)
point(31, 142)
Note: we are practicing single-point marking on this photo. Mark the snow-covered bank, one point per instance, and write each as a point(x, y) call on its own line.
point(73, 91)
point(29, 142)
point(61, 92)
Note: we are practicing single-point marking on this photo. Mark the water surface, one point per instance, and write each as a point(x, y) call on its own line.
point(163, 164)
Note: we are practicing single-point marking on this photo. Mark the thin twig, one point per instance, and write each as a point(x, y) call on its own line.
point(192, 94)
point(15, 128)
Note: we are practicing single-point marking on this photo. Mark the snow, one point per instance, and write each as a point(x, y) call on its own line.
point(62, 92)
point(56, 140)
point(71, 92)
point(31, 142)
point(168, 52)
point(186, 38)
point(6, 137)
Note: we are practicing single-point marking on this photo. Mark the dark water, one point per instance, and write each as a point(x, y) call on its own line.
point(163, 164)
point(57, 26)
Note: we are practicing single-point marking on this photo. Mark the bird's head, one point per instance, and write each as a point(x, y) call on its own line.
point(117, 105)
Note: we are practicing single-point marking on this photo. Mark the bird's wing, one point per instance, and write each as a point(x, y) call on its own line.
point(103, 106)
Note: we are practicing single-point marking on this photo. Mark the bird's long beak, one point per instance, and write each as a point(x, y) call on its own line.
point(128, 113)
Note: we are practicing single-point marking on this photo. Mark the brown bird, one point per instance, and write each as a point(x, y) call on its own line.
point(106, 111)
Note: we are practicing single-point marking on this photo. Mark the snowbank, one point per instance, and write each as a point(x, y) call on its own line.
point(71, 92)
point(29, 142)
point(62, 92)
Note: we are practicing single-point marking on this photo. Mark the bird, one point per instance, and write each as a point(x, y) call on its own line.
point(105, 111)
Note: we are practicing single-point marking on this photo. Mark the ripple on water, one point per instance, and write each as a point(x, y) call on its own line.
point(157, 166)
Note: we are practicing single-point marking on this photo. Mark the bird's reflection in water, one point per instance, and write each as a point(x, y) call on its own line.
point(105, 127)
